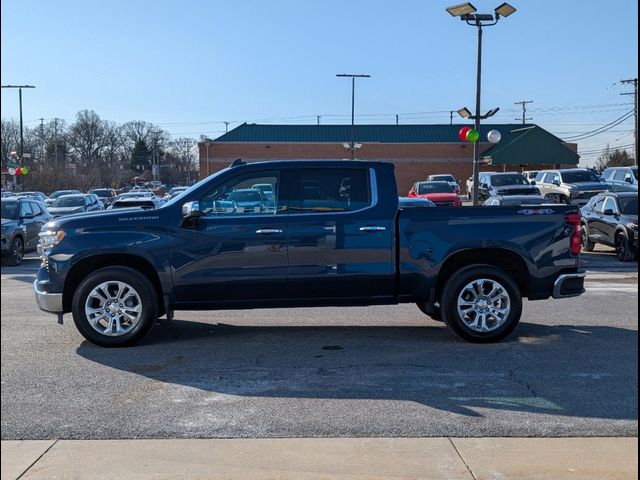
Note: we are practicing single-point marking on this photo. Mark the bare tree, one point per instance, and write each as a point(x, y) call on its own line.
point(86, 136)
point(184, 150)
point(10, 139)
point(613, 158)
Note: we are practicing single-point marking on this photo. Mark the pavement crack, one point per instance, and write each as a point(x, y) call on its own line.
point(36, 460)
point(462, 458)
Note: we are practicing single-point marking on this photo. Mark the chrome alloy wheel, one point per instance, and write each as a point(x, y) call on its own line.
point(484, 305)
point(113, 308)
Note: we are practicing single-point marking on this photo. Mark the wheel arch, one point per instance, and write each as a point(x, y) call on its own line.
point(503, 258)
point(87, 265)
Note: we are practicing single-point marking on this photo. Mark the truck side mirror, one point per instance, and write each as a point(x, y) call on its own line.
point(532, 182)
point(191, 210)
point(628, 179)
point(556, 182)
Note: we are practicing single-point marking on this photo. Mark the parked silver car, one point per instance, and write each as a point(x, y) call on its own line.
point(572, 185)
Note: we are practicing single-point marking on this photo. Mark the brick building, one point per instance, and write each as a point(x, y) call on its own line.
point(416, 150)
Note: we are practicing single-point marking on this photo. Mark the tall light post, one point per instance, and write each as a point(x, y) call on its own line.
point(467, 14)
point(352, 143)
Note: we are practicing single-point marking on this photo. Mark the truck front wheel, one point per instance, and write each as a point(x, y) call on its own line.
point(115, 306)
point(481, 303)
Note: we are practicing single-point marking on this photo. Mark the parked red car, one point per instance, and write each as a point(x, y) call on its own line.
point(440, 193)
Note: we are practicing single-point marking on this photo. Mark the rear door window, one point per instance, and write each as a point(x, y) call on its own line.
point(330, 191)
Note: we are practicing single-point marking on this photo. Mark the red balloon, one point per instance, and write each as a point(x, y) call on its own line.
point(18, 171)
point(462, 134)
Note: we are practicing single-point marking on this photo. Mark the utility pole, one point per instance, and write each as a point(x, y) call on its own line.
point(55, 139)
point(451, 117)
point(397, 119)
point(42, 150)
point(155, 157)
point(524, 110)
point(226, 126)
point(317, 119)
point(635, 113)
point(353, 107)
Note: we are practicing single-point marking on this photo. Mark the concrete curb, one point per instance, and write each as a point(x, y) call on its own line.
point(330, 458)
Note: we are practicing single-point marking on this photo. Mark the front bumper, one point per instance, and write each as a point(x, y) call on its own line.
point(49, 302)
point(569, 285)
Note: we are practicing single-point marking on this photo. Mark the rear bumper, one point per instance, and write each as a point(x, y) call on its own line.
point(49, 302)
point(569, 285)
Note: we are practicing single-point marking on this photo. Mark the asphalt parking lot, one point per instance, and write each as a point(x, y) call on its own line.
point(569, 370)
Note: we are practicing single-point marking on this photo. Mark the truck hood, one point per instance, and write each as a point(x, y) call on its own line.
point(103, 218)
point(584, 186)
point(9, 223)
point(439, 197)
point(65, 210)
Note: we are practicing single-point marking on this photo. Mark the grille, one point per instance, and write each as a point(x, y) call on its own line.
point(520, 191)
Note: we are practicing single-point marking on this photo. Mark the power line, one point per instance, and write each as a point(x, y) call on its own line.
point(601, 129)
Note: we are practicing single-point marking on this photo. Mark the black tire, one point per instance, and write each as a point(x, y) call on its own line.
point(455, 287)
point(554, 198)
point(16, 251)
point(587, 245)
point(434, 315)
point(624, 252)
point(146, 294)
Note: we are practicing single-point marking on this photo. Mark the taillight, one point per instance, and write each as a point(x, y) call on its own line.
point(575, 244)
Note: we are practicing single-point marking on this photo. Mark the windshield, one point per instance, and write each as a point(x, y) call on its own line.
point(100, 193)
point(245, 196)
point(443, 178)
point(68, 202)
point(628, 205)
point(10, 210)
point(503, 180)
point(576, 176)
point(426, 188)
point(59, 193)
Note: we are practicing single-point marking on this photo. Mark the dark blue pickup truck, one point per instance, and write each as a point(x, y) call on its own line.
point(328, 233)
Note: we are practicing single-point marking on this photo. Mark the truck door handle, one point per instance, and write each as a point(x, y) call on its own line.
point(267, 231)
point(372, 228)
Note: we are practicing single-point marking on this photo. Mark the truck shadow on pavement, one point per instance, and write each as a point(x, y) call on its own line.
point(561, 370)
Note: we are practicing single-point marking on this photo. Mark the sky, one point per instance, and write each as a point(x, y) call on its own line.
point(190, 65)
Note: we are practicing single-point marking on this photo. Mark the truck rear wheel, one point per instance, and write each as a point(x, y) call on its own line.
point(481, 303)
point(115, 307)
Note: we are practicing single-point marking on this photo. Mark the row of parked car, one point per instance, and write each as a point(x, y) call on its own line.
point(575, 186)
point(24, 213)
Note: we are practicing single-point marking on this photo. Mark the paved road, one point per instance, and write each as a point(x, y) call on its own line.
point(570, 370)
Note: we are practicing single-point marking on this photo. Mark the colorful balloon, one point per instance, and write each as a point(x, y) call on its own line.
point(18, 171)
point(12, 171)
point(472, 136)
point(462, 134)
point(24, 170)
point(494, 136)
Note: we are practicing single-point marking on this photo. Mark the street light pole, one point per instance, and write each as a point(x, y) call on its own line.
point(353, 107)
point(467, 13)
point(20, 87)
point(476, 145)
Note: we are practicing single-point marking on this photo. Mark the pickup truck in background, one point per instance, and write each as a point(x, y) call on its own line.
point(332, 234)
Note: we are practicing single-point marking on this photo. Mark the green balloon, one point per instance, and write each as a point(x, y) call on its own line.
point(24, 170)
point(472, 136)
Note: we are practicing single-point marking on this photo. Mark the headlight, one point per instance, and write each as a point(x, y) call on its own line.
point(50, 238)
